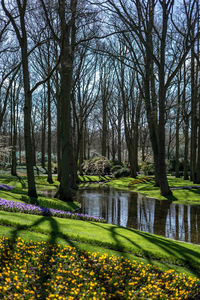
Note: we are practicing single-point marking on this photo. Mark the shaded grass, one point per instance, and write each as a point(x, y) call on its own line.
point(144, 245)
point(93, 178)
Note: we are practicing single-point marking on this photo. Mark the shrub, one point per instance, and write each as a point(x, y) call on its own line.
point(116, 168)
point(123, 172)
point(97, 166)
point(116, 162)
point(148, 168)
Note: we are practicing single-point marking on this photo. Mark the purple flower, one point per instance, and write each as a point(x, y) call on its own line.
point(6, 187)
point(9, 205)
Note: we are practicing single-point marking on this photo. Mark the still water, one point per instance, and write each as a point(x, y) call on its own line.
point(128, 209)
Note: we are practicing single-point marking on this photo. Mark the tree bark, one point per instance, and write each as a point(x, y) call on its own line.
point(43, 141)
point(177, 131)
point(104, 126)
point(67, 181)
point(193, 151)
point(22, 38)
point(49, 177)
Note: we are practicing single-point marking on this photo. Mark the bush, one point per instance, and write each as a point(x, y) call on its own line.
point(123, 172)
point(148, 168)
point(116, 168)
point(116, 162)
point(97, 166)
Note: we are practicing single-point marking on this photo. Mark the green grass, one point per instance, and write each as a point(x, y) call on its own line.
point(19, 194)
point(92, 178)
point(27, 236)
point(191, 196)
point(96, 237)
point(144, 245)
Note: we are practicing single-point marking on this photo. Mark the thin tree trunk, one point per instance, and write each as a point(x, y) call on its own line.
point(177, 132)
point(22, 38)
point(193, 151)
point(119, 147)
point(49, 178)
point(43, 134)
point(14, 135)
point(104, 127)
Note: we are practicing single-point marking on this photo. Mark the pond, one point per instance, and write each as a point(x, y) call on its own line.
point(129, 209)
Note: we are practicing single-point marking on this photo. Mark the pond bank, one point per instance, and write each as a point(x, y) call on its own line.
point(181, 193)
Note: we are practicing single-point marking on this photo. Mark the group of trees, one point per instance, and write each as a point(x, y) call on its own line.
point(121, 74)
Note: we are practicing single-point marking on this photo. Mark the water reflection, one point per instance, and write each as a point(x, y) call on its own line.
point(128, 209)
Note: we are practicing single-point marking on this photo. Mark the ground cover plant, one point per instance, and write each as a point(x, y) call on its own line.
point(141, 244)
point(15, 189)
point(141, 180)
point(13, 206)
point(76, 274)
point(90, 236)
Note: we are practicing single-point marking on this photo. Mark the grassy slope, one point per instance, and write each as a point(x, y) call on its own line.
point(94, 236)
point(179, 196)
point(143, 244)
point(39, 237)
point(19, 194)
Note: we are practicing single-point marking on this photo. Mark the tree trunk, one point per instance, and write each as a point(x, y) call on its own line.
point(14, 137)
point(186, 149)
point(43, 134)
point(34, 146)
point(193, 151)
point(22, 38)
point(119, 147)
point(67, 181)
point(104, 127)
point(49, 178)
point(132, 158)
point(177, 132)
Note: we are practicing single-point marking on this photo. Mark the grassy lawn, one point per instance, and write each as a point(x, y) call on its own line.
point(141, 244)
point(148, 251)
point(19, 193)
point(191, 196)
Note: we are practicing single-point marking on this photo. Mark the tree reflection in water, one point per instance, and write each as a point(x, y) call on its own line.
point(128, 209)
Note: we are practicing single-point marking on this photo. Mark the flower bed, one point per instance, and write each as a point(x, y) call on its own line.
point(141, 180)
point(13, 206)
point(38, 270)
point(6, 187)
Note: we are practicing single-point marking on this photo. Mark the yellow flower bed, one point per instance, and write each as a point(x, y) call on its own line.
point(43, 271)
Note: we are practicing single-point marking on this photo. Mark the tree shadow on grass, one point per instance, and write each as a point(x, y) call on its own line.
point(51, 254)
point(176, 254)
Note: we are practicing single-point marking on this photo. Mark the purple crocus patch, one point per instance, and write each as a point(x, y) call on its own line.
point(8, 205)
point(6, 187)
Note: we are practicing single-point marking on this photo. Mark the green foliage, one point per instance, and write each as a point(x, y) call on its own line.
point(116, 162)
point(116, 168)
point(172, 165)
point(123, 172)
point(147, 168)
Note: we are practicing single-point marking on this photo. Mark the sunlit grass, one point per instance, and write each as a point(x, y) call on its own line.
point(191, 196)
